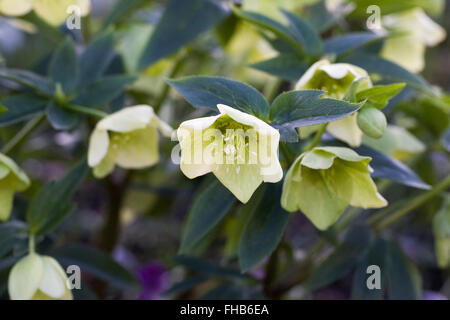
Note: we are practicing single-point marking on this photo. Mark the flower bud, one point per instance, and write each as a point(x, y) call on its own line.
point(37, 277)
point(372, 122)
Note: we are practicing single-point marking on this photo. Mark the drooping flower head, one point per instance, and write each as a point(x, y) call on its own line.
point(128, 138)
point(37, 277)
point(414, 30)
point(239, 149)
point(52, 11)
point(12, 179)
point(336, 79)
point(324, 181)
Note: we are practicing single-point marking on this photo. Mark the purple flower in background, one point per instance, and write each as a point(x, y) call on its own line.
point(154, 279)
point(432, 295)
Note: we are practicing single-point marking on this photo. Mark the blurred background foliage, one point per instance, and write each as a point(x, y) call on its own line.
point(126, 230)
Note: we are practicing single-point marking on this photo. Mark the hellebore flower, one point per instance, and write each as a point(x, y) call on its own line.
point(37, 277)
point(128, 138)
point(239, 149)
point(52, 11)
point(12, 179)
point(324, 181)
point(336, 79)
point(414, 31)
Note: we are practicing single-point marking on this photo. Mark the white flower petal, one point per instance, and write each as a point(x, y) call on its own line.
point(127, 119)
point(307, 76)
point(25, 277)
point(15, 7)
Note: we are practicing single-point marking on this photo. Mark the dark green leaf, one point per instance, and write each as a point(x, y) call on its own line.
point(103, 91)
point(379, 96)
point(392, 169)
point(181, 23)
point(404, 282)
point(441, 232)
point(95, 59)
point(210, 268)
point(294, 109)
point(305, 34)
point(29, 79)
point(95, 262)
point(320, 18)
point(264, 229)
point(377, 256)
point(211, 91)
point(20, 107)
point(51, 205)
point(63, 67)
point(342, 260)
point(445, 140)
point(60, 118)
point(121, 9)
point(351, 41)
point(273, 26)
point(387, 70)
point(185, 285)
point(207, 211)
point(286, 66)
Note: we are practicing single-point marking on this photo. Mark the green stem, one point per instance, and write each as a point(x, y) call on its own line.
point(23, 133)
point(85, 110)
point(286, 153)
point(31, 244)
point(414, 204)
point(317, 137)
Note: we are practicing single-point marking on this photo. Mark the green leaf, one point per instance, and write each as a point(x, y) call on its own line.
point(445, 140)
point(392, 169)
point(97, 263)
point(264, 229)
point(121, 9)
point(305, 34)
point(377, 256)
point(379, 96)
point(320, 18)
point(294, 109)
point(404, 281)
point(185, 285)
point(9, 233)
point(29, 79)
point(287, 66)
point(273, 26)
point(63, 67)
point(182, 22)
point(60, 118)
point(95, 59)
point(441, 232)
point(51, 205)
point(208, 92)
point(20, 107)
point(210, 207)
point(103, 91)
point(387, 70)
point(342, 260)
point(349, 42)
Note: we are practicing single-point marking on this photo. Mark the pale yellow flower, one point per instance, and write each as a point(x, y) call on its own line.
point(239, 149)
point(52, 11)
point(414, 31)
point(12, 179)
point(128, 138)
point(336, 79)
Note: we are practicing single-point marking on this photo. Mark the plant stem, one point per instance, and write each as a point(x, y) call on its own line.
point(23, 133)
point(286, 153)
point(415, 203)
point(85, 110)
point(31, 245)
point(165, 91)
point(317, 137)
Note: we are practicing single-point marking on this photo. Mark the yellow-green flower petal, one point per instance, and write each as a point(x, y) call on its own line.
point(25, 277)
point(127, 119)
point(15, 7)
point(53, 11)
point(6, 198)
point(98, 146)
point(306, 190)
point(52, 284)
